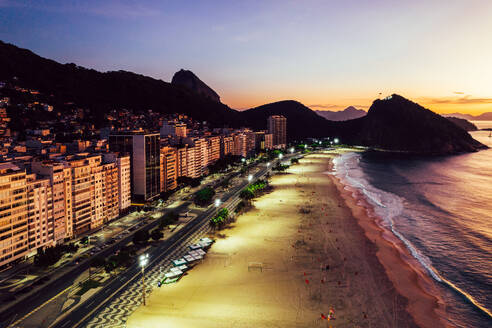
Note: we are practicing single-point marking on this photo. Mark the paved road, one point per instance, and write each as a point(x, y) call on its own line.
point(111, 306)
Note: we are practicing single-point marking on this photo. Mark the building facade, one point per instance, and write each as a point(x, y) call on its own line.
point(277, 125)
point(169, 169)
point(13, 214)
point(144, 150)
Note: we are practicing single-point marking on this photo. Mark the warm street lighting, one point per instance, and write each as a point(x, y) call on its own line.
point(217, 202)
point(143, 260)
point(250, 178)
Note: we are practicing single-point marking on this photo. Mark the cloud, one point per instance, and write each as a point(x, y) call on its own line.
point(324, 106)
point(466, 100)
point(458, 93)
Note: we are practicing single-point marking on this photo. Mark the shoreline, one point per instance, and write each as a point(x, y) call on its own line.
point(401, 268)
point(313, 256)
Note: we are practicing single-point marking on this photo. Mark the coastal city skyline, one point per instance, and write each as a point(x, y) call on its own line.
point(245, 163)
point(327, 55)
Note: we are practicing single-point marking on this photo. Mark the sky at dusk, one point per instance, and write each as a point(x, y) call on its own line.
point(325, 54)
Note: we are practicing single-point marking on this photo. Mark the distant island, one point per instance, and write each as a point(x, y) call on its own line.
point(348, 113)
point(482, 117)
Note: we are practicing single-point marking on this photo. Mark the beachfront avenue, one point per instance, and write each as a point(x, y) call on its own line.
point(126, 282)
point(103, 309)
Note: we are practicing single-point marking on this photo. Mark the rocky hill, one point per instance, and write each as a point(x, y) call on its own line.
point(348, 113)
point(190, 81)
point(101, 92)
point(398, 124)
point(462, 123)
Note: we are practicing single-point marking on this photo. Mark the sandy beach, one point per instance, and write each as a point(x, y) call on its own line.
point(285, 262)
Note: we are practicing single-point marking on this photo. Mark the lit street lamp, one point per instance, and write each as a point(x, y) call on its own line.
point(143, 260)
point(268, 164)
point(243, 159)
point(250, 177)
point(280, 156)
point(292, 150)
point(336, 140)
point(217, 202)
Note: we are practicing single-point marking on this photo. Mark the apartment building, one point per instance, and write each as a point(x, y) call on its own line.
point(226, 146)
point(250, 141)
point(213, 149)
point(197, 156)
point(41, 227)
point(277, 125)
point(110, 191)
point(124, 180)
point(13, 213)
point(60, 178)
point(123, 177)
point(169, 169)
point(240, 148)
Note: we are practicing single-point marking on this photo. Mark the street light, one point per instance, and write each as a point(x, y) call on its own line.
point(336, 140)
point(143, 260)
point(280, 156)
point(250, 177)
point(217, 202)
point(243, 159)
point(268, 164)
point(292, 150)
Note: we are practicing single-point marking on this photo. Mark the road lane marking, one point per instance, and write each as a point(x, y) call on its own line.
point(41, 306)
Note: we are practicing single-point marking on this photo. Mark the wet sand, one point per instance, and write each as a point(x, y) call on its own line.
point(269, 269)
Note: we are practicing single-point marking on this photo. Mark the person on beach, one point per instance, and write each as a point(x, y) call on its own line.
point(331, 314)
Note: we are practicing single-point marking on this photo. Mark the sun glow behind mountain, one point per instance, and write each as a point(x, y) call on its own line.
point(330, 54)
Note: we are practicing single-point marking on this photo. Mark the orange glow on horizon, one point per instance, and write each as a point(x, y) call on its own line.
point(443, 105)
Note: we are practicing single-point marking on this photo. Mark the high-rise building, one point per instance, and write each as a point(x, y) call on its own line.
point(169, 170)
point(226, 146)
point(60, 178)
point(240, 148)
point(124, 178)
point(213, 149)
point(13, 213)
point(277, 125)
point(250, 141)
point(39, 213)
point(144, 150)
point(86, 193)
point(268, 144)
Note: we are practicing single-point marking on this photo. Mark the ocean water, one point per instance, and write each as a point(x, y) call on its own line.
point(441, 209)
